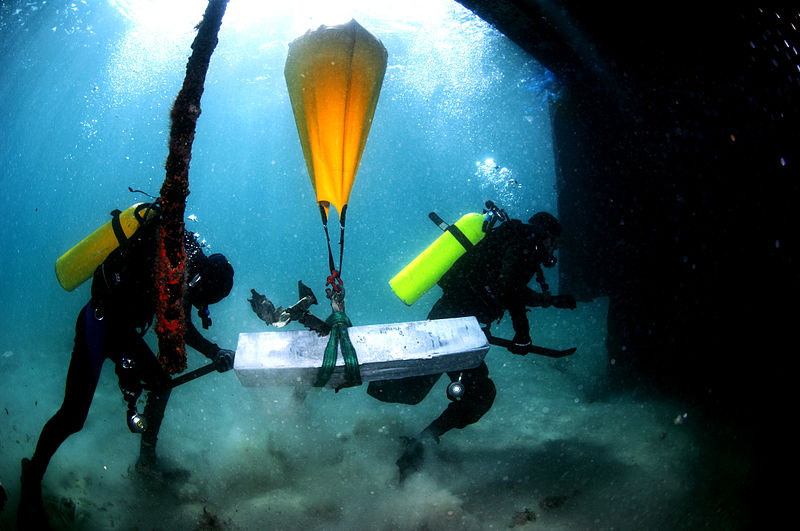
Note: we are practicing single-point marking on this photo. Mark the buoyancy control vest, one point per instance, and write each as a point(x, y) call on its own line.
point(122, 286)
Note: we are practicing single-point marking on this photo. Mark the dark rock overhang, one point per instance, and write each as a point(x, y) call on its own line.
point(676, 155)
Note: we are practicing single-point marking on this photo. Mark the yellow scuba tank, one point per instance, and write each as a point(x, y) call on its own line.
point(78, 264)
point(426, 269)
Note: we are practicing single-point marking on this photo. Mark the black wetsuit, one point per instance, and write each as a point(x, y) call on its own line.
point(111, 326)
point(489, 279)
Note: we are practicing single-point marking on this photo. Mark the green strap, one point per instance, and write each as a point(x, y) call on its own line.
point(339, 323)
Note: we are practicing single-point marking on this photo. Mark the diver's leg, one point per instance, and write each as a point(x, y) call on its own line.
point(478, 397)
point(451, 304)
point(157, 381)
point(82, 376)
point(410, 390)
point(154, 410)
point(479, 390)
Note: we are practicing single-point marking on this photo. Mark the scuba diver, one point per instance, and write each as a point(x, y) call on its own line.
point(112, 325)
point(489, 279)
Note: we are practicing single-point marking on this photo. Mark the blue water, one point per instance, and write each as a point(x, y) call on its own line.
point(85, 94)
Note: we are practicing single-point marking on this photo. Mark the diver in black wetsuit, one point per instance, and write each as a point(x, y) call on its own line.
point(489, 279)
point(112, 326)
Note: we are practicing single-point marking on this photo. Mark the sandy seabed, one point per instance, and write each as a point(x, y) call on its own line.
point(556, 451)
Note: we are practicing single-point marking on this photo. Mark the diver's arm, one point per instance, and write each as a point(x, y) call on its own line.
point(195, 339)
point(222, 358)
point(534, 298)
point(545, 300)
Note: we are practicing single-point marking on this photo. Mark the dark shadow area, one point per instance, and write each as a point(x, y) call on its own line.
point(675, 140)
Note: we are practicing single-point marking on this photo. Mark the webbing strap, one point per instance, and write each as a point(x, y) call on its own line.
point(339, 323)
point(335, 273)
point(116, 226)
point(342, 217)
point(322, 213)
point(452, 229)
point(142, 212)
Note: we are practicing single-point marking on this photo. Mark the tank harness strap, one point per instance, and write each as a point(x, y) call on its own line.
point(142, 212)
point(117, 226)
point(452, 229)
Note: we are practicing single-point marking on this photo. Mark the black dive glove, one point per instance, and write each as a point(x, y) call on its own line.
point(223, 360)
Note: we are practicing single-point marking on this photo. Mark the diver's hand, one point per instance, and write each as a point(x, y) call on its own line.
point(566, 302)
point(223, 360)
point(262, 307)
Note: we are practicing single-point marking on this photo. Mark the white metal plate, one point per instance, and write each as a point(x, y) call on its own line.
point(384, 351)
